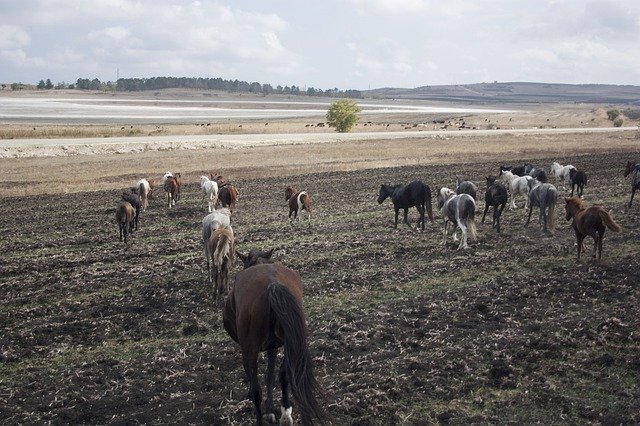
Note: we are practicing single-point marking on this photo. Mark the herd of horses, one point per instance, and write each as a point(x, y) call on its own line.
point(262, 310)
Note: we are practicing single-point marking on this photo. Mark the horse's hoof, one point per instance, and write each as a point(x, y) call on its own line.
point(269, 418)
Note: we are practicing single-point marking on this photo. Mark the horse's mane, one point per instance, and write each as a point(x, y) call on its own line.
point(576, 202)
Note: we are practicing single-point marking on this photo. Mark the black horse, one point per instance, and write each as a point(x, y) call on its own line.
point(516, 170)
point(535, 172)
point(496, 197)
point(578, 179)
point(416, 194)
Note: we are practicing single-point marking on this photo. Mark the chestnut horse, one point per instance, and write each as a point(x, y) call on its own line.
point(298, 201)
point(262, 313)
point(125, 216)
point(591, 221)
point(171, 188)
point(228, 196)
point(633, 169)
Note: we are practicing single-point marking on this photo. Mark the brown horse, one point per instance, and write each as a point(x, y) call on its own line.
point(633, 169)
point(178, 178)
point(171, 188)
point(591, 221)
point(228, 196)
point(262, 313)
point(125, 216)
point(298, 201)
point(221, 249)
point(255, 257)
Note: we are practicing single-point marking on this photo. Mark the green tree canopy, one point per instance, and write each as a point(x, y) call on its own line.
point(342, 115)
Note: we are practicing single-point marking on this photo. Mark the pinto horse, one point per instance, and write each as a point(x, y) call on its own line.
point(297, 201)
point(124, 218)
point(633, 169)
point(145, 191)
point(171, 188)
point(262, 313)
point(496, 196)
point(221, 244)
point(460, 211)
point(415, 194)
point(591, 221)
point(578, 179)
point(561, 173)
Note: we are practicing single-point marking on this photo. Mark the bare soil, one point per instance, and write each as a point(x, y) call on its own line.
point(402, 329)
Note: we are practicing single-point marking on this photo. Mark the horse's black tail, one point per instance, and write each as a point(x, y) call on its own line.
point(297, 358)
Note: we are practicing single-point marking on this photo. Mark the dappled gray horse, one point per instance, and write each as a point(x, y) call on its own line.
point(544, 196)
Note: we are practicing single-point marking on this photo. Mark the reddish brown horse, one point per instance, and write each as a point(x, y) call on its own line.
point(228, 196)
point(171, 188)
point(298, 201)
point(262, 313)
point(591, 221)
point(220, 246)
point(125, 216)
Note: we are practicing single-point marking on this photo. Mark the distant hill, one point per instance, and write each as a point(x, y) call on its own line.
point(516, 93)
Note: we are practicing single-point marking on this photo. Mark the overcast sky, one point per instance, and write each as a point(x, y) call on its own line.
point(348, 44)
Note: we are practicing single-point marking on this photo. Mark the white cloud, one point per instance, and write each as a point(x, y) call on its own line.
point(13, 37)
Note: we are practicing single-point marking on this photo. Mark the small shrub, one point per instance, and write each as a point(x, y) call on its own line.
point(618, 122)
point(612, 114)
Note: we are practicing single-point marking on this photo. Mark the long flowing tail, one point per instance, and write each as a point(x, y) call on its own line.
point(222, 250)
point(471, 226)
point(551, 217)
point(297, 358)
point(608, 221)
point(428, 204)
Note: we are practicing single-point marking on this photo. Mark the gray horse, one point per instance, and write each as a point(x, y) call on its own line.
point(544, 196)
point(459, 210)
point(466, 187)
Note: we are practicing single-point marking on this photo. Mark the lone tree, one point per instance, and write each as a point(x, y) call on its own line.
point(342, 115)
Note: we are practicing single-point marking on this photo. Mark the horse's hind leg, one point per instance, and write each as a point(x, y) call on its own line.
point(633, 192)
point(486, 209)
point(406, 217)
point(250, 363)
point(285, 410)
point(270, 378)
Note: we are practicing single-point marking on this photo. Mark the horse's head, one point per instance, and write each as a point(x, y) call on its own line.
point(443, 195)
point(572, 205)
point(255, 257)
point(288, 192)
point(383, 194)
point(490, 180)
point(629, 168)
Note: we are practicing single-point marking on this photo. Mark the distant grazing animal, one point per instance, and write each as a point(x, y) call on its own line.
point(460, 211)
point(211, 222)
point(517, 185)
point(578, 178)
point(544, 196)
point(496, 197)
point(131, 196)
point(415, 194)
point(297, 201)
point(145, 191)
point(591, 221)
point(124, 218)
point(466, 187)
point(221, 244)
point(633, 169)
point(535, 172)
point(209, 192)
point(255, 257)
point(228, 196)
point(262, 313)
point(561, 173)
point(171, 188)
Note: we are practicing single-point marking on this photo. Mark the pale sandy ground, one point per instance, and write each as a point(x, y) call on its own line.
point(58, 167)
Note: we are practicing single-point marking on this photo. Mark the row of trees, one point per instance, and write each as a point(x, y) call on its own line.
point(158, 83)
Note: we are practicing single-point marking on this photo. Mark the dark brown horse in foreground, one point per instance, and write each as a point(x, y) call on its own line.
point(591, 221)
point(262, 313)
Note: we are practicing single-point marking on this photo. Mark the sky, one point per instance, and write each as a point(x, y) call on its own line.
point(345, 44)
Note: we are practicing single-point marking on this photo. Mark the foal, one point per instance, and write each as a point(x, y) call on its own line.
point(589, 221)
point(298, 201)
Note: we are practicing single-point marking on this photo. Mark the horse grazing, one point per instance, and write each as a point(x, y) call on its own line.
point(220, 246)
point(496, 196)
point(211, 222)
point(145, 191)
point(297, 201)
point(589, 221)
point(578, 178)
point(561, 173)
point(633, 169)
point(262, 313)
point(544, 196)
point(415, 194)
point(518, 185)
point(255, 257)
point(460, 211)
point(535, 172)
point(209, 192)
point(132, 198)
point(228, 196)
point(124, 218)
point(171, 188)
point(466, 187)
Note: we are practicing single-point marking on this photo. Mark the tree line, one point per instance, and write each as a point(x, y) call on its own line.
point(158, 83)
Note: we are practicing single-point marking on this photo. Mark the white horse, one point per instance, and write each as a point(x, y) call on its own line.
point(211, 222)
point(561, 173)
point(459, 210)
point(145, 190)
point(518, 185)
point(209, 191)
